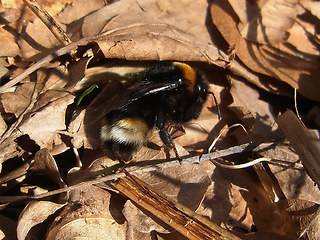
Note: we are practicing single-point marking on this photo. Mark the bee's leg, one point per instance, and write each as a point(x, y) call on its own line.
point(164, 135)
point(168, 142)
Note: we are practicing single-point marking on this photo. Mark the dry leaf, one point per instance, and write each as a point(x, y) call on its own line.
point(185, 184)
point(8, 15)
point(42, 124)
point(35, 213)
point(88, 215)
point(91, 228)
point(3, 68)
point(265, 21)
point(7, 227)
point(298, 69)
point(9, 148)
point(254, 112)
point(297, 214)
point(3, 126)
point(8, 40)
point(45, 163)
point(290, 175)
point(16, 102)
point(140, 221)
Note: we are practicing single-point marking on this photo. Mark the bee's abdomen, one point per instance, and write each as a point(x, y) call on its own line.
point(123, 136)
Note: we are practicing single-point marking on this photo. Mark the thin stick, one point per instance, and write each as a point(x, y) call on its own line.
point(51, 24)
point(152, 167)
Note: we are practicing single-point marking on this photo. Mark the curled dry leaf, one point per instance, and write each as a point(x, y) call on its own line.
point(91, 228)
point(45, 163)
point(266, 21)
point(88, 215)
point(34, 213)
point(294, 66)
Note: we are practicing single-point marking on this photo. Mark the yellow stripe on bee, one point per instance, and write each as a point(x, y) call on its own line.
point(188, 73)
point(133, 123)
point(129, 130)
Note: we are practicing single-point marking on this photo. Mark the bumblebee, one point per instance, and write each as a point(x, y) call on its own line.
point(168, 93)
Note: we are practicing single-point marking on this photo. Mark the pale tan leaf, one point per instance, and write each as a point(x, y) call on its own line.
point(312, 6)
point(3, 67)
point(8, 40)
point(9, 15)
point(91, 228)
point(35, 213)
point(3, 125)
point(91, 219)
point(9, 148)
point(265, 21)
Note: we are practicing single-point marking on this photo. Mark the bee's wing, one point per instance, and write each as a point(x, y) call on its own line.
point(116, 97)
point(150, 89)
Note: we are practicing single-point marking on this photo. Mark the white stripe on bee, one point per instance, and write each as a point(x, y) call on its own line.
point(105, 133)
point(127, 130)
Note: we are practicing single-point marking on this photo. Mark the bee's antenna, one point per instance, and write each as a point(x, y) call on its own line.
point(217, 105)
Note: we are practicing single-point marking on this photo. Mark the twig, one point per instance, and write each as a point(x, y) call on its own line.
point(222, 153)
point(184, 220)
point(51, 24)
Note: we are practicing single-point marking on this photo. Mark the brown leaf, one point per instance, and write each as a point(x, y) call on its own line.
point(254, 112)
point(185, 184)
point(45, 163)
point(16, 102)
point(3, 67)
point(296, 214)
point(35, 213)
point(8, 40)
point(139, 221)
point(47, 118)
point(293, 180)
point(87, 215)
point(304, 142)
point(9, 148)
point(296, 69)
point(7, 227)
point(91, 228)
point(3, 125)
point(8, 15)
point(265, 21)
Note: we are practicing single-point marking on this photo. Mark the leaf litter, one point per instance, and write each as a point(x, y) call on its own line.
point(42, 129)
